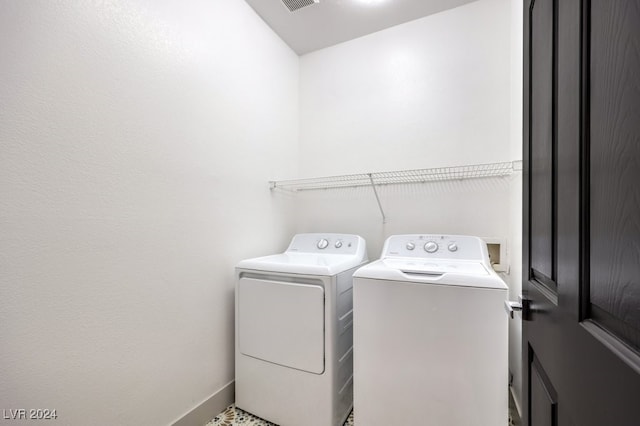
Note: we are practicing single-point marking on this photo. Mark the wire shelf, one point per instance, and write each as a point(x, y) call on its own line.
point(472, 171)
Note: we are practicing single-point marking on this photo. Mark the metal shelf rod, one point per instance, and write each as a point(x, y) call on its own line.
point(375, 192)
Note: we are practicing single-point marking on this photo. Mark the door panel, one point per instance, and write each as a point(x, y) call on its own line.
point(544, 405)
point(614, 168)
point(282, 323)
point(542, 152)
point(580, 340)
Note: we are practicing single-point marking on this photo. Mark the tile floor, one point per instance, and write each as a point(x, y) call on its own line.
point(234, 416)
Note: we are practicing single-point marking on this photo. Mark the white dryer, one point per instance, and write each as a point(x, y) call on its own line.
point(294, 331)
point(430, 335)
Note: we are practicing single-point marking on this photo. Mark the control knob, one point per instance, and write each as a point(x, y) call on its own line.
point(410, 246)
point(452, 247)
point(431, 247)
point(323, 243)
point(338, 244)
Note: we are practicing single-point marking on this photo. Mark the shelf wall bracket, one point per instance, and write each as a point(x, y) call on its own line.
point(375, 192)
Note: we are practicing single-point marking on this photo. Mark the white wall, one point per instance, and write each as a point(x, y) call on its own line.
point(136, 139)
point(515, 279)
point(429, 93)
point(432, 92)
point(439, 91)
point(136, 142)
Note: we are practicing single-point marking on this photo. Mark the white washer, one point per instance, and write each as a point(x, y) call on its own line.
point(294, 331)
point(430, 335)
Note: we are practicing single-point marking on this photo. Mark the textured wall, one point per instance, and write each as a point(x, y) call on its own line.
point(515, 283)
point(136, 139)
point(439, 91)
point(136, 142)
point(433, 92)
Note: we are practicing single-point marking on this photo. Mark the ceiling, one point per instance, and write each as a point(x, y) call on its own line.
point(331, 22)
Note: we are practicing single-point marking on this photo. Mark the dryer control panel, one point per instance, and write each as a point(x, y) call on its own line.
point(433, 246)
point(327, 244)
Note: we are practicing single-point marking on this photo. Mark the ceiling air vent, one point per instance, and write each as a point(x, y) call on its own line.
point(294, 5)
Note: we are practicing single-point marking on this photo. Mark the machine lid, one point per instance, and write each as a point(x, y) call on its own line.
point(303, 263)
point(452, 273)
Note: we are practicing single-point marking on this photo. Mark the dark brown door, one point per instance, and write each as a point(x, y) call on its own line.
point(581, 231)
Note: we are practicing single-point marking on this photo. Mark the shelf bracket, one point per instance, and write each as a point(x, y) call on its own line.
point(375, 192)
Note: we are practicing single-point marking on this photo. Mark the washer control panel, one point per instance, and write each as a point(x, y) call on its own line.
point(459, 247)
point(326, 243)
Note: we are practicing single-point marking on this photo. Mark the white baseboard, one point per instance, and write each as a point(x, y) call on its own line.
point(209, 408)
point(516, 402)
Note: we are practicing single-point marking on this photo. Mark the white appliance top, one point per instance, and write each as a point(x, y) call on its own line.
point(434, 259)
point(314, 254)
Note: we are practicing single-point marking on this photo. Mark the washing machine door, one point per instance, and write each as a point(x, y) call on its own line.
point(282, 323)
